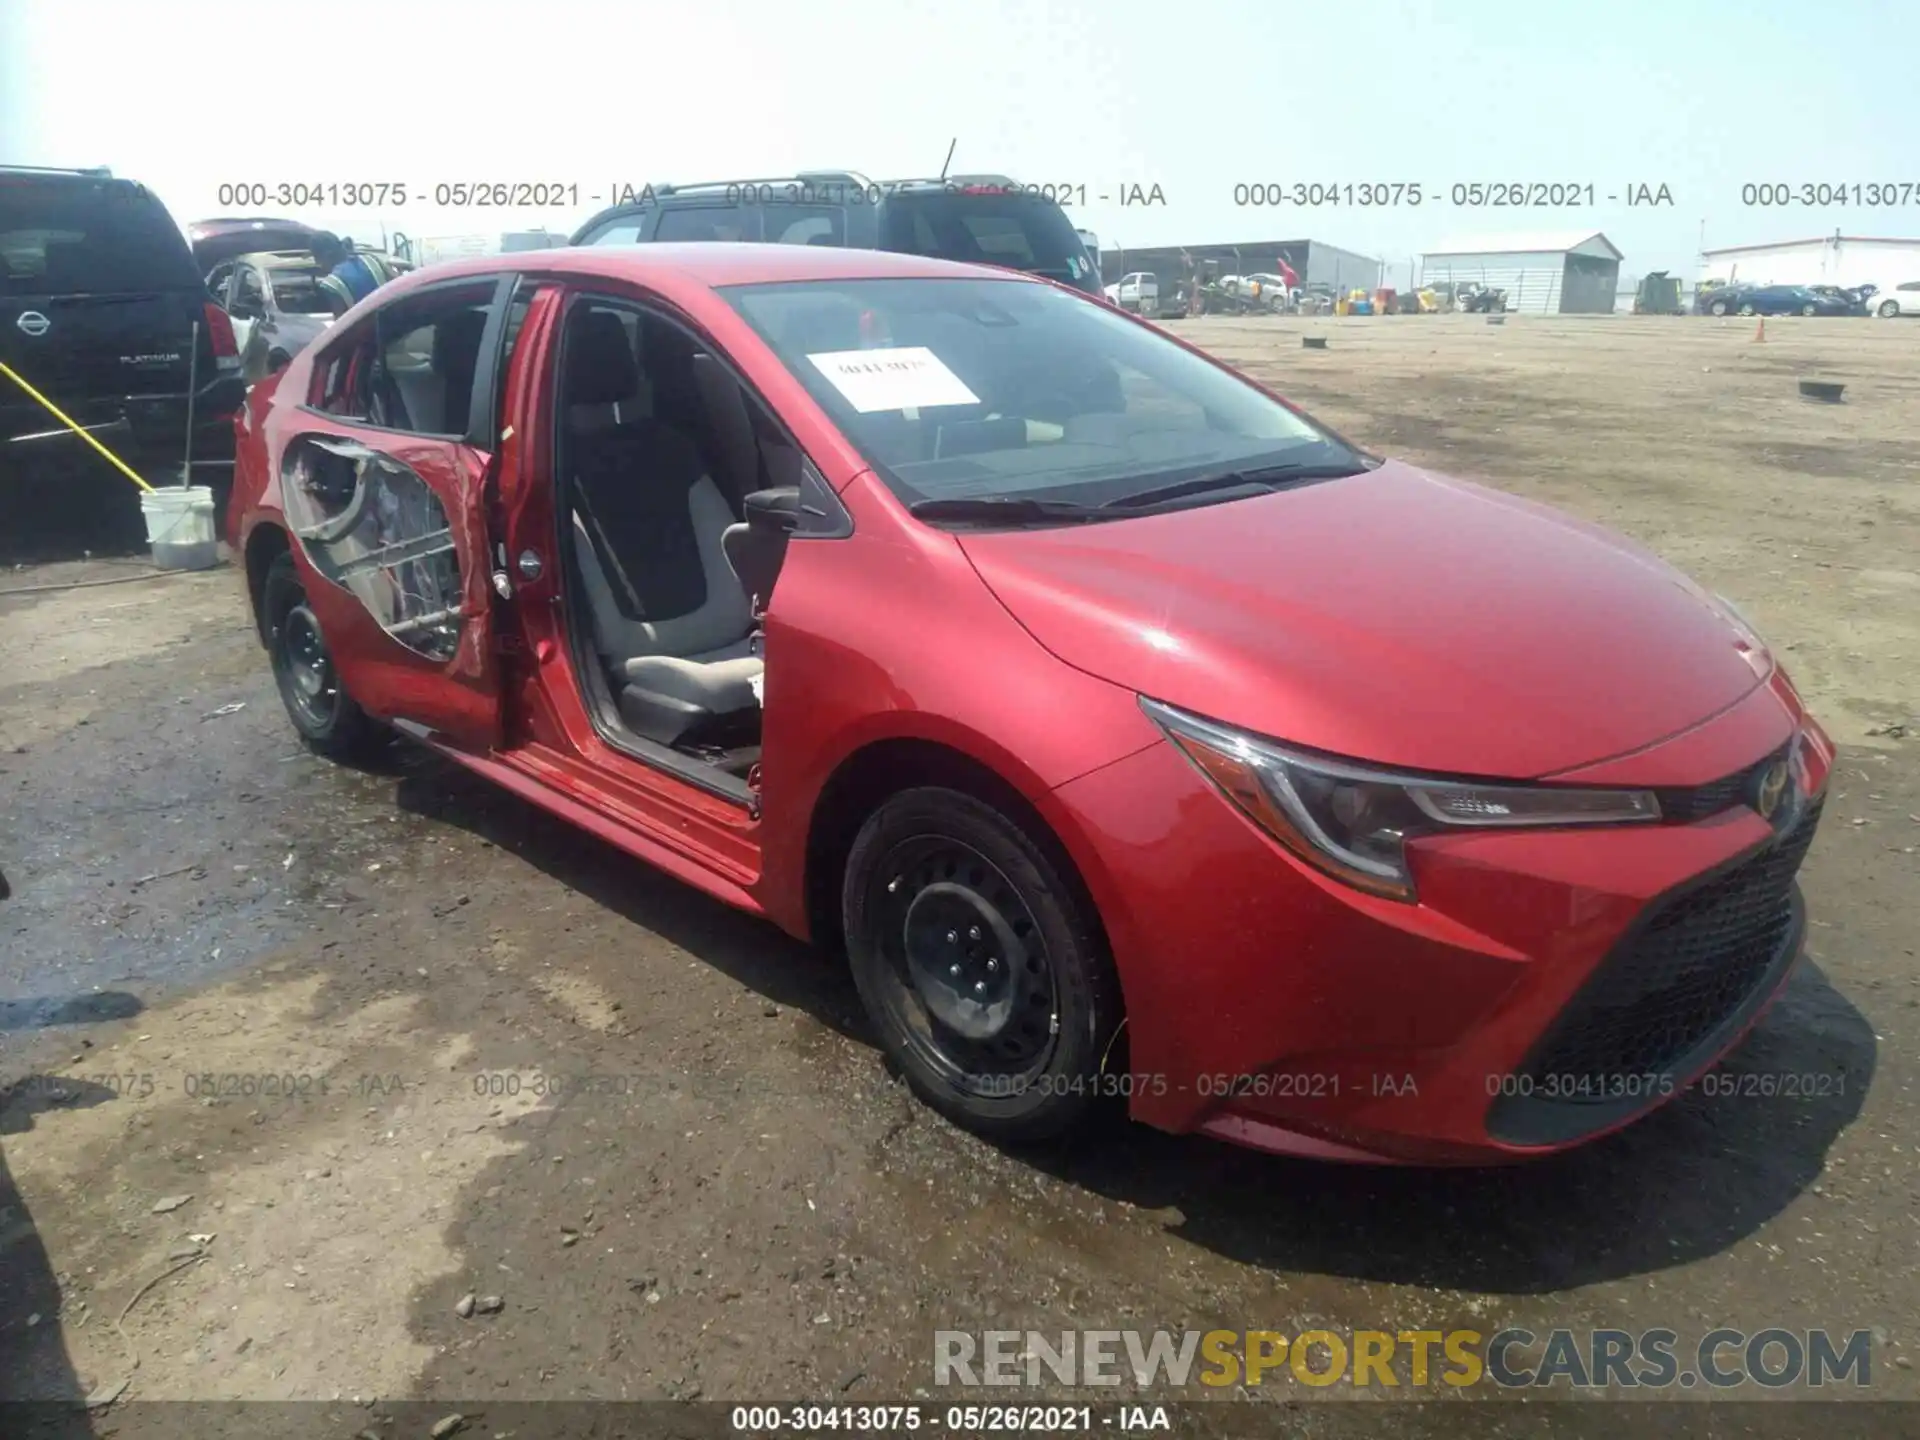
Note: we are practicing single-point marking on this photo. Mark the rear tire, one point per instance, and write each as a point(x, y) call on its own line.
point(1809, 310)
point(317, 703)
point(1746, 310)
point(982, 968)
point(1719, 307)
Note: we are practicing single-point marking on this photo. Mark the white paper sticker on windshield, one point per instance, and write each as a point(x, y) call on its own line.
point(896, 379)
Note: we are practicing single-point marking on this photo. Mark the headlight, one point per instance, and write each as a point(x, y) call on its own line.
point(1353, 822)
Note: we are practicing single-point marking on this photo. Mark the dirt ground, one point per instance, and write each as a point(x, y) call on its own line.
point(744, 1205)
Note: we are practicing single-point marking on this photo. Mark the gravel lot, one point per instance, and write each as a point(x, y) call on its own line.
point(746, 1206)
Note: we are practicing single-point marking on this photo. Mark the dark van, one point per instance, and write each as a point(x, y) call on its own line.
point(99, 296)
point(982, 219)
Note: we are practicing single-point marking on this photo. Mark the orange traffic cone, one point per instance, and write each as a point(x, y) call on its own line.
point(1760, 334)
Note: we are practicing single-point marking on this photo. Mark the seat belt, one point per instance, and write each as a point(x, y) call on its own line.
point(601, 543)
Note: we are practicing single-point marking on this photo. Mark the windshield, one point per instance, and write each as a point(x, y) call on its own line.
point(975, 388)
point(298, 292)
point(987, 227)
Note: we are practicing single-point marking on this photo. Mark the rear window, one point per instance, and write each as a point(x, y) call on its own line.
point(1017, 231)
point(298, 292)
point(103, 237)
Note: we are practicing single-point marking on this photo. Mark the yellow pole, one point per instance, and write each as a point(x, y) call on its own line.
point(74, 426)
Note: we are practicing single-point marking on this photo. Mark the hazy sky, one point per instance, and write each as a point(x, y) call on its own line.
point(1701, 96)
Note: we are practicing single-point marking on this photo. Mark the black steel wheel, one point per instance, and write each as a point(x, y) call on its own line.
point(317, 703)
point(979, 965)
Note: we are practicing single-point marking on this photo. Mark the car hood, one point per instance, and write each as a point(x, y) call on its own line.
point(1396, 616)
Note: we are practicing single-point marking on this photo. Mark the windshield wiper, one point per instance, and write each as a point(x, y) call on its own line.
point(1265, 480)
point(1013, 509)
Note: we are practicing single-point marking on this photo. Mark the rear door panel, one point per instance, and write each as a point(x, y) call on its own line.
point(391, 540)
point(392, 528)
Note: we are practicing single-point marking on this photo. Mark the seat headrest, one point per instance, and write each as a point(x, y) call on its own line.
point(601, 369)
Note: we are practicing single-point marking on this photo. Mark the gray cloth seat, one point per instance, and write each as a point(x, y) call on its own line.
point(669, 617)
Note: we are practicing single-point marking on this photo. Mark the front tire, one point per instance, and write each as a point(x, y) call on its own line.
point(1809, 310)
point(317, 703)
point(982, 968)
point(1719, 307)
point(1889, 309)
point(1747, 310)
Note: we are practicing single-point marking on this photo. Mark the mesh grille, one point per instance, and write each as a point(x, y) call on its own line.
point(1679, 977)
point(1684, 805)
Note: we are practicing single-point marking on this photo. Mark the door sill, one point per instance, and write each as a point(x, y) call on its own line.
point(680, 766)
point(523, 771)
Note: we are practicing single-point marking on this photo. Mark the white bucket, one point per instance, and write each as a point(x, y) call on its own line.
point(180, 527)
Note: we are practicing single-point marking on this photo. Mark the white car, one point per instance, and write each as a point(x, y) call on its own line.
point(1138, 292)
point(1897, 300)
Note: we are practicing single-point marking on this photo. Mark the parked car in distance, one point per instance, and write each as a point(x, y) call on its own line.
point(1855, 300)
point(1272, 291)
point(1724, 299)
point(99, 303)
point(1141, 739)
point(277, 306)
point(1138, 293)
point(982, 219)
point(1897, 300)
point(228, 237)
point(1772, 300)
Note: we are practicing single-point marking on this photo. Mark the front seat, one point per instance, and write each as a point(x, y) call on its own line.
point(669, 616)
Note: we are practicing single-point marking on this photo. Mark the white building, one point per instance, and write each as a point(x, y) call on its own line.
point(1844, 260)
point(1569, 272)
point(435, 248)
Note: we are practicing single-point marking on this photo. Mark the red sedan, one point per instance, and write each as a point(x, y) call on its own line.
point(1132, 733)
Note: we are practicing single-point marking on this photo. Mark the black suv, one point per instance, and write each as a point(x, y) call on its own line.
point(99, 295)
point(985, 219)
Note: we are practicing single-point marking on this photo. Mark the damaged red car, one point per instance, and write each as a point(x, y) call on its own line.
point(1132, 734)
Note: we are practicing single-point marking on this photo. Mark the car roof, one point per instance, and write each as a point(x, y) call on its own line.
point(710, 264)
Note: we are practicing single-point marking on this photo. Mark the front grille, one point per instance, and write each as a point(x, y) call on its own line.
point(1683, 972)
point(1682, 805)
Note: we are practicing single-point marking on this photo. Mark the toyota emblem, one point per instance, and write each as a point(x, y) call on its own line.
point(1771, 789)
point(33, 323)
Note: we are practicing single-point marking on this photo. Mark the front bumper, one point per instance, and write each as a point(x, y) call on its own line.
point(1547, 987)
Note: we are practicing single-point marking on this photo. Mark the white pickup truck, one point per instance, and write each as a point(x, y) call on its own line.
point(1138, 292)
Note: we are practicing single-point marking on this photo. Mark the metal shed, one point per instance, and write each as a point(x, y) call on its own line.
point(1572, 272)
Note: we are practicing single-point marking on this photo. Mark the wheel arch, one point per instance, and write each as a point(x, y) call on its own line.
point(266, 542)
point(884, 767)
